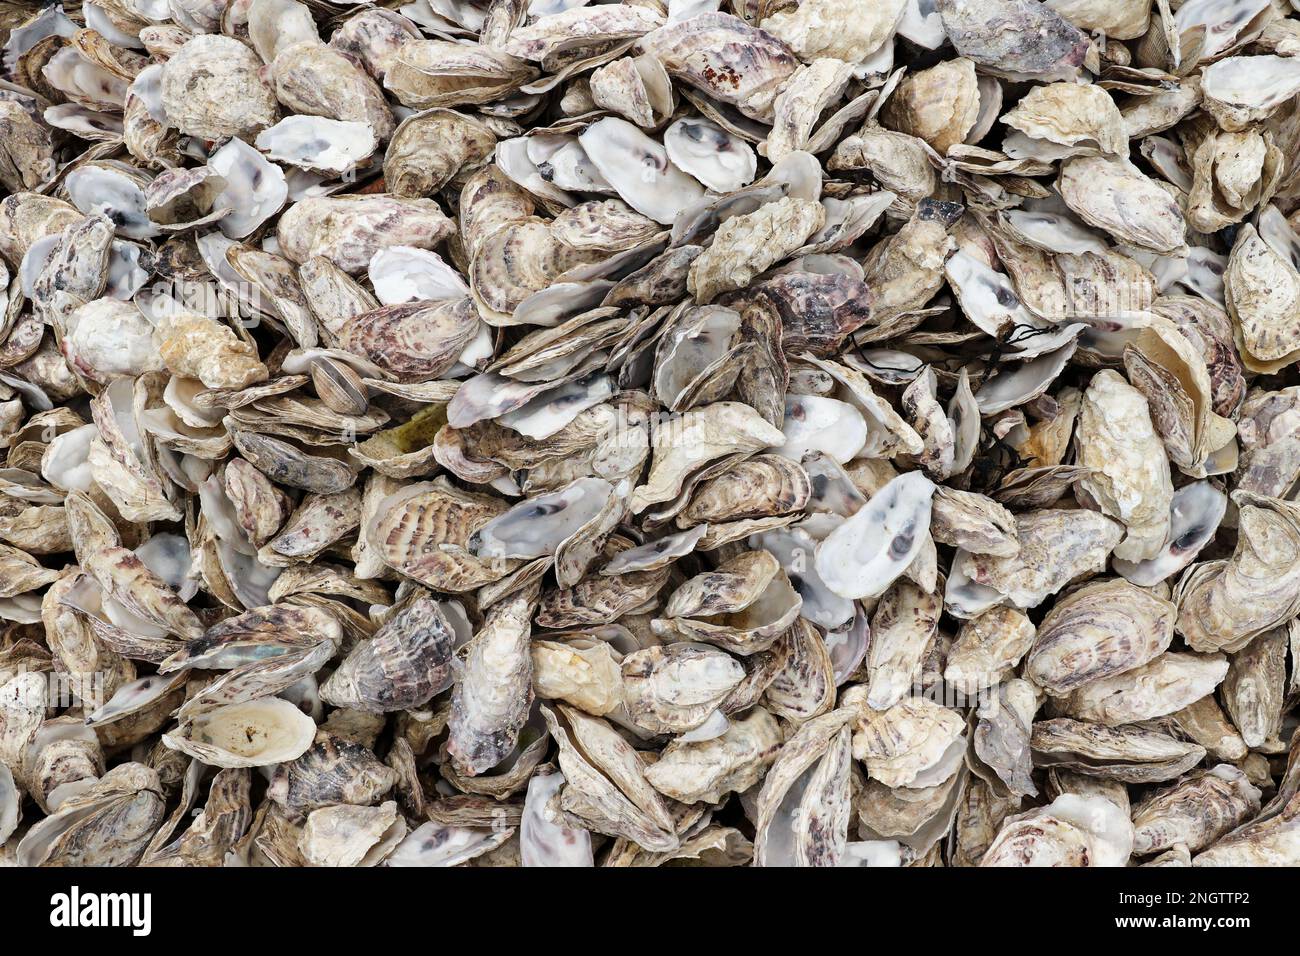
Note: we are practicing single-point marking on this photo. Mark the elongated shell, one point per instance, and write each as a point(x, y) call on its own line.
point(253, 734)
point(605, 786)
point(1056, 547)
point(493, 689)
point(1167, 684)
point(1131, 753)
point(864, 555)
point(424, 530)
point(803, 808)
point(416, 341)
point(1131, 479)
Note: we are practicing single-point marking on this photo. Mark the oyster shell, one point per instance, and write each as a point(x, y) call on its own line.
point(1162, 686)
point(493, 689)
point(1072, 830)
point(725, 58)
point(1033, 41)
point(675, 688)
point(213, 87)
point(1223, 604)
point(707, 770)
point(257, 733)
point(803, 808)
point(1130, 753)
point(349, 230)
point(110, 824)
point(865, 554)
point(1102, 629)
point(1194, 812)
point(405, 663)
point(911, 744)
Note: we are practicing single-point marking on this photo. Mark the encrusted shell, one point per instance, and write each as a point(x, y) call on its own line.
point(213, 87)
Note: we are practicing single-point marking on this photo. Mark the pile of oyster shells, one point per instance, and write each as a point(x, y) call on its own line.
point(787, 432)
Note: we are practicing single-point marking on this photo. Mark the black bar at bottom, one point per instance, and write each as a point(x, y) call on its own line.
point(705, 907)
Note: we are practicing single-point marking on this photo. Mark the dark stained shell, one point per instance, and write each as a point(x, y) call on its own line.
point(405, 663)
